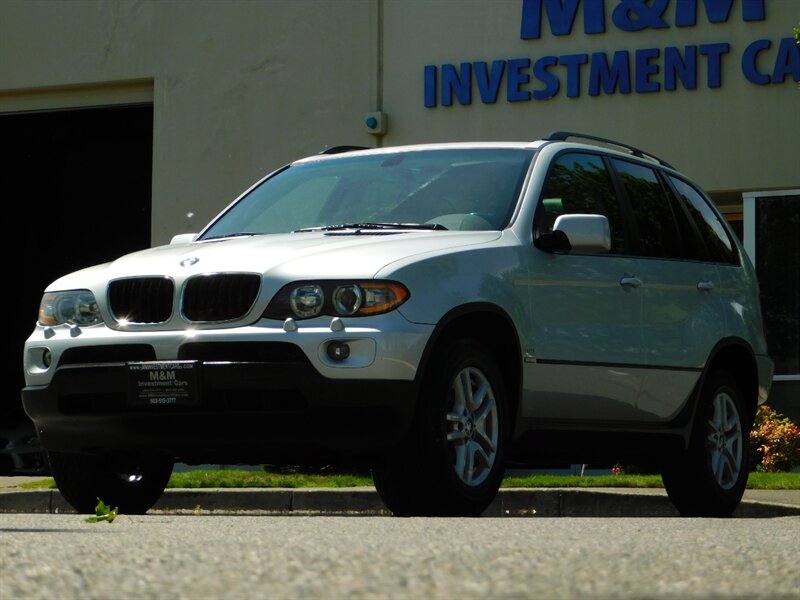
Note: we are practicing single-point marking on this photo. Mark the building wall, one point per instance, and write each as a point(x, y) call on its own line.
point(241, 87)
point(734, 137)
point(238, 88)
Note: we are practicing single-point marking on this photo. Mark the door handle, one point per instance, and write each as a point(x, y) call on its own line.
point(705, 286)
point(630, 281)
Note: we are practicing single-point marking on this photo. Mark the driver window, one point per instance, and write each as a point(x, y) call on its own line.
point(579, 183)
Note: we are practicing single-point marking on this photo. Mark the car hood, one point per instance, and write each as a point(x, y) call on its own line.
point(282, 257)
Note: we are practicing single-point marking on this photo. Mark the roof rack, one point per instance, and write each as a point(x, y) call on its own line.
point(560, 136)
point(341, 149)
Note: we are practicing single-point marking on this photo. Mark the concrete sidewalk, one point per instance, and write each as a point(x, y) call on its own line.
point(364, 501)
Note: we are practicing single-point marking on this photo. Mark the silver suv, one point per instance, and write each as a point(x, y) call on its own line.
point(434, 312)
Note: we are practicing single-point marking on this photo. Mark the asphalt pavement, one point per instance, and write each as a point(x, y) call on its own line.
point(364, 501)
point(174, 557)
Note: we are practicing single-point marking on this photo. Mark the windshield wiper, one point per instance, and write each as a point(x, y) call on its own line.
point(229, 235)
point(409, 226)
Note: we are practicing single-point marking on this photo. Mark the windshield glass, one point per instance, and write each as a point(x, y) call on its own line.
point(454, 189)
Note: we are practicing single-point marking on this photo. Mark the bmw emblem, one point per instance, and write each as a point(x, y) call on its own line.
point(188, 262)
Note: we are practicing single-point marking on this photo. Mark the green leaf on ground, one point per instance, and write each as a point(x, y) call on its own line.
point(102, 512)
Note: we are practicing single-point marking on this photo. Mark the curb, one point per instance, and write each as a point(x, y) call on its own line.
point(545, 502)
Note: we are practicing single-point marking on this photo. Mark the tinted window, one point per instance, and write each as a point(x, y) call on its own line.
point(718, 244)
point(657, 234)
point(580, 184)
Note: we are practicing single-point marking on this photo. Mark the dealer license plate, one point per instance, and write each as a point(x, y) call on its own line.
point(167, 383)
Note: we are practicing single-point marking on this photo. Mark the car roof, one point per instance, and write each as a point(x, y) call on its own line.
point(334, 152)
point(594, 144)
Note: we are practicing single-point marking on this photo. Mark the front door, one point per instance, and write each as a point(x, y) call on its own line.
point(585, 342)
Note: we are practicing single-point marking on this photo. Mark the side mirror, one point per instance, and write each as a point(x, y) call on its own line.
point(586, 233)
point(183, 238)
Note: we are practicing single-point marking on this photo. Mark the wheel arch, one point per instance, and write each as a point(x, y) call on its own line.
point(491, 326)
point(736, 356)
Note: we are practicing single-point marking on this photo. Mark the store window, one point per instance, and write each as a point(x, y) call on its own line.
point(736, 221)
point(777, 252)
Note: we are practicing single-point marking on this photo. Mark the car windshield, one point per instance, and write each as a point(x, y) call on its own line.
point(455, 189)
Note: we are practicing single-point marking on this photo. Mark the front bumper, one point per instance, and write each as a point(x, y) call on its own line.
point(264, 391)
point(245, 412)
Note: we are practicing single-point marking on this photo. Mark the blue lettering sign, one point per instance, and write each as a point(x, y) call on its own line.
point(561, 16)
point(645, 69)
point(749, 60)
point(787, 62)
point(516, 79)
point(714, 53)
point(489, 84)
point(635, 15)
point(550, 81)
point(618, 75)
point(676, 67)
point(628, 15)
point(717, 11)
point(573, 63)
point(458, 83)
point(430, 86)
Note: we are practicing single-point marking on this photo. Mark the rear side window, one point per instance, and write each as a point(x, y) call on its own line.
point(718, 243)
point(579, 183)
point(657, 233)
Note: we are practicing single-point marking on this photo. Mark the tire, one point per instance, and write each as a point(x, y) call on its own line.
point(133, 486)
point(710, 478)
point(453, 460)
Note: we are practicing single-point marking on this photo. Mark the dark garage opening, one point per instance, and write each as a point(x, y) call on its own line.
point(79, 182)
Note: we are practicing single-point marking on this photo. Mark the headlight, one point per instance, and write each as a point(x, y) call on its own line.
point(347, 299)
point(306, 299)
point(75, 306)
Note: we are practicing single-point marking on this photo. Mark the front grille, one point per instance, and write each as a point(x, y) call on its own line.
point(220, 296)
point(141, 299)
point(112, 353)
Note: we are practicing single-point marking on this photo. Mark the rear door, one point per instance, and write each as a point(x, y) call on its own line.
point(681, 315)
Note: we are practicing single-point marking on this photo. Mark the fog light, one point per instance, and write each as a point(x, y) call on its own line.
point(338, 351)
point(47, 358)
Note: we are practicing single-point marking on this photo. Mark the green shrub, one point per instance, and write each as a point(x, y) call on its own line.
point(775, 441)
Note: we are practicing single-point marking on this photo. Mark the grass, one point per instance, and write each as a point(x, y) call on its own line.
point(551, 481)
point(265, 479)
point(282, 479)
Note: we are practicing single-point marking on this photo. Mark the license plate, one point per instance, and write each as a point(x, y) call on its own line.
point(170, 383)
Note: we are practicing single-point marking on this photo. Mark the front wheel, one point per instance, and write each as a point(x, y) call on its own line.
point(710, 478)
point(453, 461)
point(131, 484)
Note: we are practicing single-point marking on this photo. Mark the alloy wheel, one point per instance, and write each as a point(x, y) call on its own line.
point(725, 441)
point(473, 427)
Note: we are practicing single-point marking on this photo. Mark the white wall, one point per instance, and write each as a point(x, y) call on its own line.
point(241, 87)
